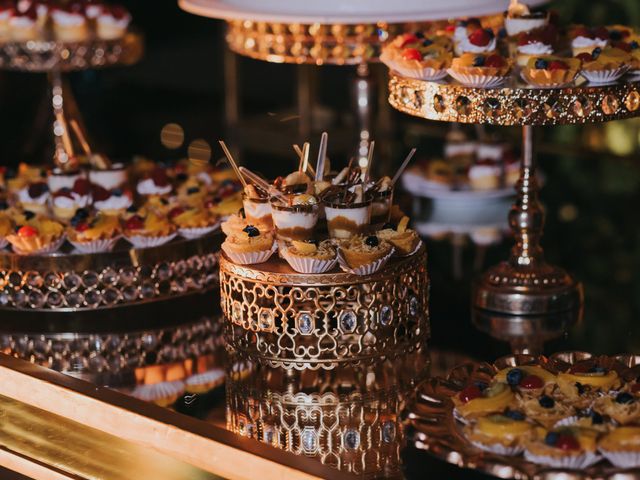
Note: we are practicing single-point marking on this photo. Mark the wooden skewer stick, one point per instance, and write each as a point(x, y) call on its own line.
point(365, 176)
point(233, 163)
point(304, 158)
point(298, 151)
point(81, 138)
point(263, 184)
point(322, 156)
point(403, 166)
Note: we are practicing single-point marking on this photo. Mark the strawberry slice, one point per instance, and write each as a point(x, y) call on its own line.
point(481, 37)
point(175, 212)
point(411, 54)
point(408, 38)
point(82, 226)
point(100, 194)
point(27, 231)
point(585, 57)
point(82, 186)
point(469, 393)
point(531, 381)
point(134, 223)
point(558, 65)
point(495, 61)
point(567, 442)
point(159, 177)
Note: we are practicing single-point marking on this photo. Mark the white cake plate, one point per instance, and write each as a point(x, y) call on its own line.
point(421, 187)
point(345, 11)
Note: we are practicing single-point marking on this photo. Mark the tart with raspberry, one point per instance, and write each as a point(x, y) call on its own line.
point(479, 399)
point(479, 40)
point(150, 230)
point(483, 70)
point(528, 380)
point(36, 235)
point(193, 222)
point(425, 59)
point(605, 65)
point(93, 234)
point(550, 71)
point(565, 447)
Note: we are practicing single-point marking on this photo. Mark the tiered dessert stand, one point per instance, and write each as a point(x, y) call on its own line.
point(525, 284)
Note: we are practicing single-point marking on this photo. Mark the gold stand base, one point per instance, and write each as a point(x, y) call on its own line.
point(516, 291)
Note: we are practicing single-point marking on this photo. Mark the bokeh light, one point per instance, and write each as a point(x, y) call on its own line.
point(172, 136)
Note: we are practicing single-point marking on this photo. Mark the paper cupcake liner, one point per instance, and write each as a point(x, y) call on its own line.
point(250, 258)
point(545, 85)
point(142, 241)
point(418, 72)
point(414, 251)
point(477, 81)
point(367, 269)
point(210, 379)
point(622, 459)
point(163, 393)
point(51, 248)
point(307, 264)
point(573, 462)
point(194, 232)
point(498, 449)
point(95, 246)
point(3, 243)
point(458, 416)
point(599, 77)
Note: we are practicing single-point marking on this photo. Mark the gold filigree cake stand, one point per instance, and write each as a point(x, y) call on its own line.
point(296, 321)
point(347, 418)
point(432, 427)
point(525, 284)
point(55, 58)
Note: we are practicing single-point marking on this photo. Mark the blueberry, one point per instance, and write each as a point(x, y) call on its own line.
point(551, 438)
point(132, 209)
point(372, 241)
point(65, 190)
point(502, 33)
point(597, 369)
point(251, 231)
point(192, 190)
point(634, 45)
point(82, 212)
point(624, 398)
point(615, 35)
point(116, 192)
point(546, 401)
point(478, 61)
point(426, 42)
point(514, 376)
point(596, 418)
point(514, 415)
point(463, 23)
point(16, 228)
point(3, 205)
point(581, 388)
point(596, 52)
point(182, 177)
point(28, 214)
point(541, 64)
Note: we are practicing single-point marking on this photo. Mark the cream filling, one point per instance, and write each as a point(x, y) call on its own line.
point(58, 182)
point(114, 203)
point(479, 171)
point(583, 42)
point(466, 46)
point(148, 187)
point(108, 179)
point(256, 209)
point(285, 220)
point(360, 216)
point(24, 197)
point(535, 48)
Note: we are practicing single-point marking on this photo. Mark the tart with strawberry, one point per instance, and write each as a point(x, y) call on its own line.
point(150, 230)
point(550, 71)
point(155, 183)
point(566, 447)
point(193, 222)
point(36, 234)
point(504, 433)
point(586, 40)
point(480, 40)
point(584, 382)
point(483, 70)
point(111, 202)
point(605, 65)
point(249, 246)
point(537, 42)
point(479, 399)
point(34, 197)
point(93, 234)
point(425, 59)
point(528, 380)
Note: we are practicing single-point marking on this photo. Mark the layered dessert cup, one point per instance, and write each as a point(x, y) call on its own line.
point(109, 178)
point(257, 209)
point(381, 206)
point(346, 218)
point(293, 220)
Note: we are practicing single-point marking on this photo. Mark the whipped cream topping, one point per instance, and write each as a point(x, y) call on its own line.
point(58, 181)
point(535, 48)
point(108, 179)
point(287, 219)
point(22, 21)
point(42, 10)
point(256, 209)
point(488, 151)
point(81, 200)
point(64, 202)
point(106, 18)
point(460, 33)
point(114, 203)
point(68, 19)
point(465, 46)
point(148, 187)
point(93, 11)
point(204, 178)
point(478, 171)
point(5, 14)
point(581, 42)
point(24, 197)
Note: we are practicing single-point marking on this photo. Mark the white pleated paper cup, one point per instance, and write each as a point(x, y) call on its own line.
point(95, 246)
point(51, 248)
point(3, 243)
point(546, 86)
point(622, 459)
point(367, 269)
point(573, 462)
point(458, 416)
point(498, 448)
point(162, 393)
point(142, 241)
point(413, 252)
point(195, 232)
point(249, 258)
point(307, 264)
point(478, 81)
point(601, 77)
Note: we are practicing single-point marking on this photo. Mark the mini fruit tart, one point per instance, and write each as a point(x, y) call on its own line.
point(550, 71)
point(364, 255)
point(192, 192)
point(588, 419)
point(156, 183)
point(310, 256)
point(405, 240)
point(111, 202)
point(605, 65)
point(93, 235)
point(502, 434)
point(193, 222)
point(426, 60)
point(225, 204)
point(478, 399)
point(38, 234)
point(480, 70)
point(623, 407)
point(479, 40)
point(546, 409)
point(566, 447)
point(34, 197)
point(534, 43)
point(528, 380)
point(582, 384)
point(621, 447)
point(585, 40)
point(250, 246)
point(151, 230)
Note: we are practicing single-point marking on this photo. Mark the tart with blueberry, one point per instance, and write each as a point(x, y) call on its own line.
point(479, 399)
point(93, 234)
point(484, 70)
point(503, 434)
point(193, 222)
point(529, 380)
point(546, 409)
point(584, 382)
point(534, 43)
point(550, 72)
point(111, 202)
point(65, 201)
point(249, 246)
point(623, 407)
point(621, 447)
point(227, 200)
point(364, 255)
point(586, 40)
point(422, 58)
point(405, 240)
point(34, 197)
point(191, 192)
point(588, 418)
point(150, 230)
point(35, 234)
point(604, 65)
point(565, 447)
point(310, 256)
